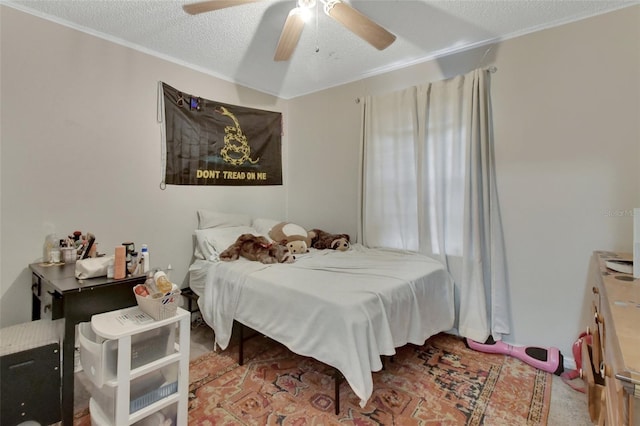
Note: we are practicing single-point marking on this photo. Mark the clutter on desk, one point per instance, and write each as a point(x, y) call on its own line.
point(127, 261)
point(137, 263)
point(48, 248)
point(69, 254)
point(115, 266)
point(68, 250)
point(93, 267)
point(81, 248)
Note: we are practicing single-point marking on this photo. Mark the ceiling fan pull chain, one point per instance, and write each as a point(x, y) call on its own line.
point(317, 30)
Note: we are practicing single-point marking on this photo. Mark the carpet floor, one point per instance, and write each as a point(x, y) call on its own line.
point(439, 383)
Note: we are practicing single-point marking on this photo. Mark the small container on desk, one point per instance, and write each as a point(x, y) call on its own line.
point(158, 386)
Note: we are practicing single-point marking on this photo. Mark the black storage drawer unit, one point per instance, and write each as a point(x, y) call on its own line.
point(30, 371)
point(31, 386)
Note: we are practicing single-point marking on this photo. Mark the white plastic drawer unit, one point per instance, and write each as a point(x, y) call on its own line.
point(140, 367)
point(144, 391)
point(99, 356)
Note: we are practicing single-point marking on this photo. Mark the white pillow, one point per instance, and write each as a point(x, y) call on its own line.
point(263, 225)
point(204, 249)
point(210, 219)
point(213, 241)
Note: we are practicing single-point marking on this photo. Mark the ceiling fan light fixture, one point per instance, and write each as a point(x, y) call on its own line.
point(304, 13)
point(306, 4)
point(341, 12)
point(304, 9)
point(328, 5)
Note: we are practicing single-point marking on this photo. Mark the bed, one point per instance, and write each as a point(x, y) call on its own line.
point(345, 309)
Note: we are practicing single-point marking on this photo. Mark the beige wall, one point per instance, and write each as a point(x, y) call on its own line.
point(566, 107)
point(569, 147)
point(81, 150)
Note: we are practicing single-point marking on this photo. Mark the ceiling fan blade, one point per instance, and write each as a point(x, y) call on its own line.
point(359, 24)
point(290, 35)
point(211, 5)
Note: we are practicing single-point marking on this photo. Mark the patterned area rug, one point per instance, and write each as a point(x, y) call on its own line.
point(440, 383)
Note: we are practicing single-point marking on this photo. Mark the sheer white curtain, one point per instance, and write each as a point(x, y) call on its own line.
point(428, 185)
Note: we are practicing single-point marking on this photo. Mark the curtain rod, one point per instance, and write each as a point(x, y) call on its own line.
point(492, 69)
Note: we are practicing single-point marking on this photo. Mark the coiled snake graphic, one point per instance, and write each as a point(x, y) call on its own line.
point(236, 150)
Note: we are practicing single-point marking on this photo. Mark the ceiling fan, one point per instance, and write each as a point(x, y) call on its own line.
point(353, 20)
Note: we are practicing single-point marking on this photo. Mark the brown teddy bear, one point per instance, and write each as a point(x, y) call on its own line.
point(323, 240)
point(257, 248)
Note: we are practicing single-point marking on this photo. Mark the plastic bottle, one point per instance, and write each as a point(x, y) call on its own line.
point(163, 284)
point(49, 244)
point(144, 251)
point(151, 284)
point(110, 269)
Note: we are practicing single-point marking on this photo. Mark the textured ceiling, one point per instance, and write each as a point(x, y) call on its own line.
point(237, 44)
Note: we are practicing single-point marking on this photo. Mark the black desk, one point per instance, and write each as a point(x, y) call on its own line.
point(76, 301)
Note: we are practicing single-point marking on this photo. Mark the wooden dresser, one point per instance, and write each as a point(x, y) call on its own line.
point(614, 380)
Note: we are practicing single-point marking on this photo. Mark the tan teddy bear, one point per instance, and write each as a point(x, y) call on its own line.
point(286, 232)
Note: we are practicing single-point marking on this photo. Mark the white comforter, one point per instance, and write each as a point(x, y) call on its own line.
point(342, 308)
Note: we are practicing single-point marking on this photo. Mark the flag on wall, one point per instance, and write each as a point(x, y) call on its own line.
point(212, 143)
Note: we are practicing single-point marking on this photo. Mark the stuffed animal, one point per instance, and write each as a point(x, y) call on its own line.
point(297, 247)
point(286, 232)
point(257, 248)
point(324, 240)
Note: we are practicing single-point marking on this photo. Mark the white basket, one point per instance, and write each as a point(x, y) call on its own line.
point(162, 307)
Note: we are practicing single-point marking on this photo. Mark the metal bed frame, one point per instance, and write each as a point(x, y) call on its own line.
point(337, 375)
